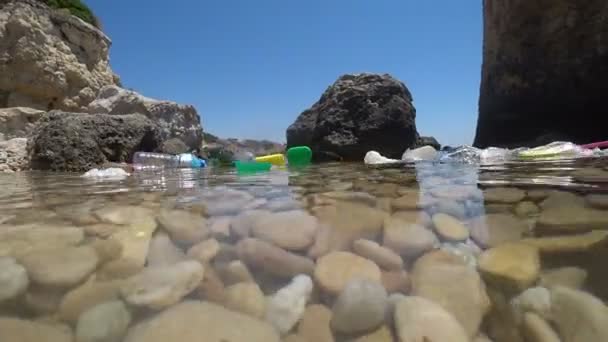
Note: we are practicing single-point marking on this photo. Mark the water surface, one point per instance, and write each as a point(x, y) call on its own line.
point(143, 229)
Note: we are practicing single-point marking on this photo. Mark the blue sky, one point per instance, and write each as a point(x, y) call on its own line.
point(250, 67)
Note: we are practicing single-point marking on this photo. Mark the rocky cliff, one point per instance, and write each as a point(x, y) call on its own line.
point(53, 60)
point(50, 59)
point(358, 113)
point(544, 75)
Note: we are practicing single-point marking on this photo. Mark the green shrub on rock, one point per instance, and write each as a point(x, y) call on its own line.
point(77, 8)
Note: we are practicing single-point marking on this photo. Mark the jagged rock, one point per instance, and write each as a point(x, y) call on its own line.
point(17, 122)
point(78, 142)
point(180, 122)
point(542, 62)
point(13, 155)
point(358, 113)
point(50, 59)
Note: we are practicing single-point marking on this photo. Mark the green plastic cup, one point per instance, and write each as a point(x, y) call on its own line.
point(299, 156)
point(252, 167)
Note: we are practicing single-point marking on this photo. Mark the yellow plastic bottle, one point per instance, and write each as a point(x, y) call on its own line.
point(274, 159)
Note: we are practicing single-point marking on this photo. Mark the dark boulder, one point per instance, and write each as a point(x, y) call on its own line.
point(78, 142)
point(545, 70)
point(358, 113)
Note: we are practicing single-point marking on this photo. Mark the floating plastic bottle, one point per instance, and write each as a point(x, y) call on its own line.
point(149, 160)
point(274, 159)
point(299, 156)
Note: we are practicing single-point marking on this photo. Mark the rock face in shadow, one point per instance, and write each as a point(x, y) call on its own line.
point(50, 59)
point(358, 113)
point(545, 69)
point(78, 142)
point(176, 121)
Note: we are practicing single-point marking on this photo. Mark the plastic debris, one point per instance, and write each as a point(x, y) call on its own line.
point(375, 158)
point(112, 173)
point(421, 153)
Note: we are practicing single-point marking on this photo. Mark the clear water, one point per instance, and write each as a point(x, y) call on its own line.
point(339, 195)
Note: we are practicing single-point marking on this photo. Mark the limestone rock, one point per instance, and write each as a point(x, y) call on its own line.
point(39, 39)
point(382, 256)
point(578, 316)
point(42, 300)
point(335, 270)
point(17, 122)
point(373, 112)
point(360, 307)
point(190, 320)
point(408, 240)
point(86, 296)
point(184, 226)
point(466, 299)
point(107, 249)
point(162, 286)
point(396, 281)
point(530, 85)
point(535, 299)
point(407, 202)
point(107, 322)
point(571, 277)
point(536, 329)
point(492, 230)
point(569, 243)
point(382, 334)
point(241, 225)
point(413, 217)
point(526, 208)
point(235, 272)
point(571, 219)
point(315, 324)
point(219, 227)
point(292, 230)
point(511, 266)
point(20, 240)
point(558, 199)
point(163, 252)
point(503, 195)
point(286, 307)
point(452, 208)
point(450, 228)
point(138, 225)
point(13, 155)
point(100, 139)
point(418, 319)
point(60, 267)
point(272, 259)
point(590, 175)
point(12, 329)
point(246, 298)
point(597, 201)
point(294, 338)
point(180, 122)
point(349, 222)
point(211, 287)
point(13, 279)
point(204, 251)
